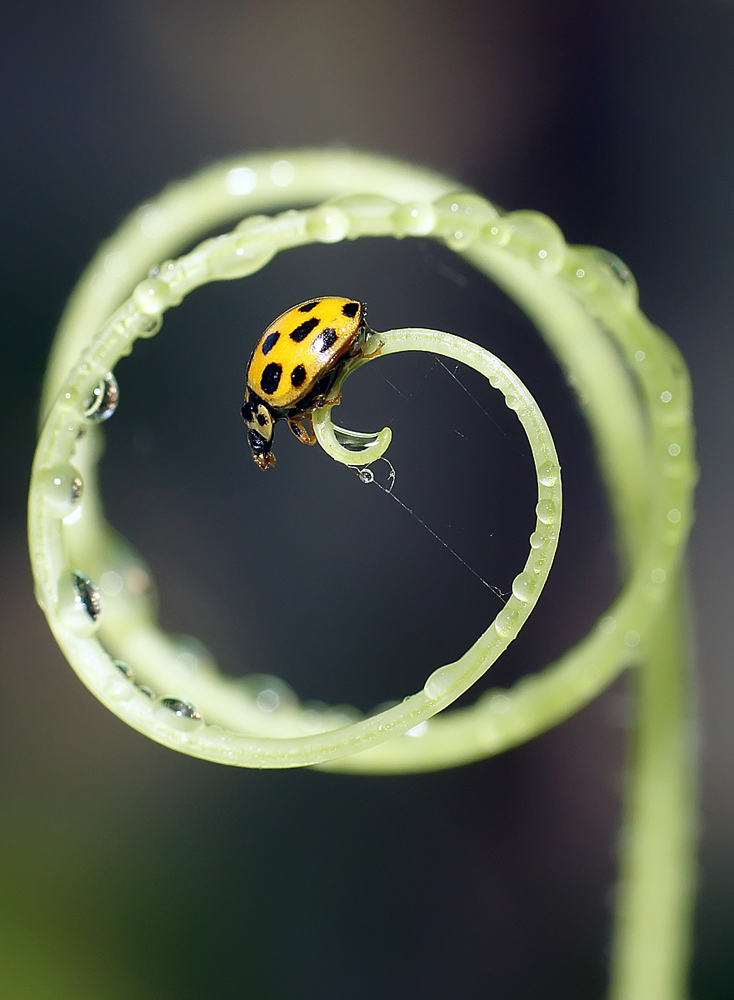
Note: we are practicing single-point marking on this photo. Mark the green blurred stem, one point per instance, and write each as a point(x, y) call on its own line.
point(651, 947)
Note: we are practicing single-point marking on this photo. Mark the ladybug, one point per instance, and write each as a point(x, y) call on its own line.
point(294, 366)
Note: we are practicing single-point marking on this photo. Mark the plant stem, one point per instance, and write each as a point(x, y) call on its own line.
point(653, 926)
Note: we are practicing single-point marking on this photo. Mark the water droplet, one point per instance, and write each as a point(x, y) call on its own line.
point(614, 266)
point(523, 586)
point(87, 595)
point(104, 400)
point(674, 449)
point(235, 258)
point(499, 702)
point(416, 218)
point(506, 623)
point(640, 355)
point(546, 511)
point(62, 488)
point(327, 224)
point(538, 539)
point(367, 475)
point(538, 238)
point(658, 575)
point(438, 683)
point(548, 473)
point(420, 730)
point(666, 396)
point(147, 691)
point(124, 669)
point(607, 624)
point(632, 639)
point(674, 515)
point(182, 709)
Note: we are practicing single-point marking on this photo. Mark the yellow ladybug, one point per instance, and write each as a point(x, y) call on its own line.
point(295, 365)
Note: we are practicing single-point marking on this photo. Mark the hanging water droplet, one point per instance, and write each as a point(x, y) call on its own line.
point(62, 488)
point(124, 669)
point(147, 691)
point(87, 595)
point(104, 400)
point(181, 709)
point(367, 475)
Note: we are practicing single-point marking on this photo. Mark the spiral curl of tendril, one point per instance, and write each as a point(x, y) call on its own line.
point(631, 384)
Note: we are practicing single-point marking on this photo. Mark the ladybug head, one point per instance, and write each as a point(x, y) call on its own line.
point(260, 422)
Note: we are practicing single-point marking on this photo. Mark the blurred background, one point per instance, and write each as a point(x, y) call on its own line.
point(130, 871)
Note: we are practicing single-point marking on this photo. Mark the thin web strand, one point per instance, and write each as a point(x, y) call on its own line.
point(367, 476)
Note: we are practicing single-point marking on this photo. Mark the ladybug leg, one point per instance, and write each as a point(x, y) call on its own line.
point(304, 434)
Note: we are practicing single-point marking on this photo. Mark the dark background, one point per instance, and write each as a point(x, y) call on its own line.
point(131, 871)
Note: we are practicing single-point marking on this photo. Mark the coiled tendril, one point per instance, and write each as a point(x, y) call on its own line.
point(632, 387)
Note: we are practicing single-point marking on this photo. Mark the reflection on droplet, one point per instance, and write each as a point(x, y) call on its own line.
point(367, 475)
point(87, 595)
point(104, 400)
point(607, 624)
point(420, 730)
point(632, 639)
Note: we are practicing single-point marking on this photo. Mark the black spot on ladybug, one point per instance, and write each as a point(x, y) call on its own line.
point(301, 332)
point(271, 378)
point(351, 309)
point(298, 375)
point(270, 341)
point(308, 306)
point(325, 340)
point(262, 419)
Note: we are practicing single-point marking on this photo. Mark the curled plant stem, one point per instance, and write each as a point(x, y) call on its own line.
point(632, 387)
